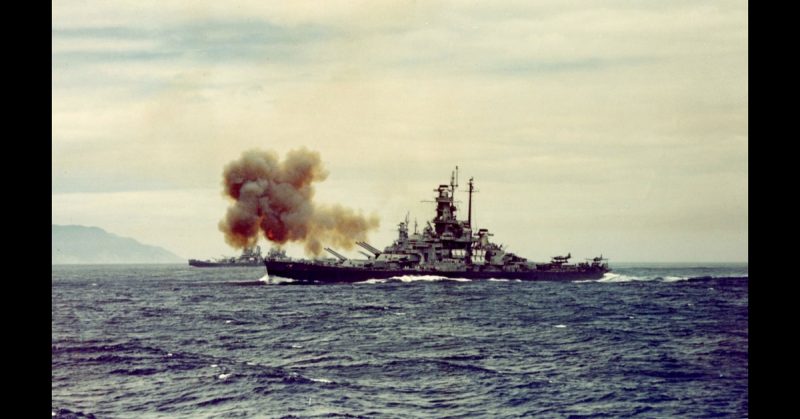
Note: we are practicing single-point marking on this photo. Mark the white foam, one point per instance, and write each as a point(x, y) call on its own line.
point(225, 376)
point(169, 353)
point(611, 277)
point(320, 380)
point(251, 363)
point(431, 278)
point(274, 280)
point(415, 278)
point(372, 281)
point(227, 321)
point(614, 277)
point(297, 346)
point(412, 278)
point(560, 326)
point(214, 366)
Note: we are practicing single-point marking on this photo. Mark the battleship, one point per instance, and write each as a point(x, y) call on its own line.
point(251, 256)
point(447, 247)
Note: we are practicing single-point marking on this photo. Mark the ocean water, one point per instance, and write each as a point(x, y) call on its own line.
point(176, 341)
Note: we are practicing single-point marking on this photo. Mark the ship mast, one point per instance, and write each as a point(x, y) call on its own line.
point(453, 184)
point(469, 214)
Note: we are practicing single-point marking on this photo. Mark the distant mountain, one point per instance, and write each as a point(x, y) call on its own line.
point(74, 244)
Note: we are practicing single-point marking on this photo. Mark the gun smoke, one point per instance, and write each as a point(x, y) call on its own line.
point(276, 198)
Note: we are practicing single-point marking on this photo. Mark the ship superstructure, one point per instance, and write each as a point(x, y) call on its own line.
point(251, 256)
point(446, 247)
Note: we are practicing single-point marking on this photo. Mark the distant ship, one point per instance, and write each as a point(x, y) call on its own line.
point(251, 256)
point(448, 248)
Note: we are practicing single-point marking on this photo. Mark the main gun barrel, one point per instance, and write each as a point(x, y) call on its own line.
point(338, 256)
point(369, 248)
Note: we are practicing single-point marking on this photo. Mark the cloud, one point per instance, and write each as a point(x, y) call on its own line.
point(610, 98)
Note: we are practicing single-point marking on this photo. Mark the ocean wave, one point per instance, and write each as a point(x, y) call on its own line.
point(295, 378)
point(64, 413)
point(611, 277)
point(275, 280)
point(322, 360)
point(413, 278)
point(264, 280)
point(415, 349)
point(711, 278)
point(615, 277)
point(373, 281)
point(369, 307)
point(416, 278)
point(136, 371)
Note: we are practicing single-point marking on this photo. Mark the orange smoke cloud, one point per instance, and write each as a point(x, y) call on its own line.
point(275, 198)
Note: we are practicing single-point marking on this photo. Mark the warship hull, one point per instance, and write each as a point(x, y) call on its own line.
point(207, 264)
point(446, 247)
point(251, 256)
point(324, 274)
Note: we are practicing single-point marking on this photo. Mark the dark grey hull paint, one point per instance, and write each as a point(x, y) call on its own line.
point(314, 273)
point(206, 264)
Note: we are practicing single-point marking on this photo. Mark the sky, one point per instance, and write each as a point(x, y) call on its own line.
point(612, 126)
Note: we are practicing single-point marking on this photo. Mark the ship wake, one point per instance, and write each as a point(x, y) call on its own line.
point(414, 278)
point(615, 277)
point(275, 280)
